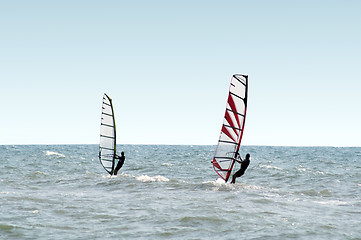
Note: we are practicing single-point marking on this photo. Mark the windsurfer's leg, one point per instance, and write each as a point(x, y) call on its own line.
point(119, 165)
point(116, 170)
point(233, 178)
point(236, 175)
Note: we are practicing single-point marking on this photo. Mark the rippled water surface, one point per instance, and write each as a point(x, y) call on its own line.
point(172, 192)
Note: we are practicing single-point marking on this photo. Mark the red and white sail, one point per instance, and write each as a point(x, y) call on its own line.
point(233, 126)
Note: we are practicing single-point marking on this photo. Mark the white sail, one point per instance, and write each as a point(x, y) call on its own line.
point(107, 146)
point(233, 126)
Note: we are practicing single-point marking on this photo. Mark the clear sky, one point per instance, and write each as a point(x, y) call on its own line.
point(167, 65)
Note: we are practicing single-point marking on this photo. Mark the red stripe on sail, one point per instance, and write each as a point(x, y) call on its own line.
point(225, 131)
point(233, 107)
point(215, 164)
point(229, 120)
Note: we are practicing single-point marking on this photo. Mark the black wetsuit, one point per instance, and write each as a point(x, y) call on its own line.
point(120, 164)
point(244, 166)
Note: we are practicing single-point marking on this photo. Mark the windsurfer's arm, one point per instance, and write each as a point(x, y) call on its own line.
point(238, 158)
point(239, 161)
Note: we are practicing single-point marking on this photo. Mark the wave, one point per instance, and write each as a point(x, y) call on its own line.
point(270, 167)
point(146, 178)
point(332, 202)
point(50, 153)
point(221, 185)
point(141, 178)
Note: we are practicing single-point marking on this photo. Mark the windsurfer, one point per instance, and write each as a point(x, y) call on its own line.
point(121, 160)
point(244, 166)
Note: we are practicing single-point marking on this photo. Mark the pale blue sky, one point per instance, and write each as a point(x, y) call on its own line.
point(167, 65)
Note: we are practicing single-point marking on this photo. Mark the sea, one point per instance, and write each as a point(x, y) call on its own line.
point(172, 192)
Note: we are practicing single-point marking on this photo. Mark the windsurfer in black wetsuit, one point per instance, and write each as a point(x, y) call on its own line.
point(121, 160)
point(244, 166)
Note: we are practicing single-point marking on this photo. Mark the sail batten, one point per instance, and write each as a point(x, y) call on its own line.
point(234, 118)
point(107, 145)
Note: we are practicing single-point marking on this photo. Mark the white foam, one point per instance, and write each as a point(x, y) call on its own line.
point(220, 181)
point(50, 153)
point(220, 184)
point(217, 182)
point(331, 202)
point(167, 164)
point(158, 178)
point(270, 167)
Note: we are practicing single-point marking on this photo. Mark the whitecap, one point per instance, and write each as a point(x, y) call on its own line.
point(220, 185)
point(270, 167)
point(220, 181)
point(167, 164)
point(331, 202)
point(126, 175)
point(104, 176)
point(217, 182)
point(146, 178)
point(50, 153)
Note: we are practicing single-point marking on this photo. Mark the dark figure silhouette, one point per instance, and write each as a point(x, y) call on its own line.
point(121, 160)
point(244, 166)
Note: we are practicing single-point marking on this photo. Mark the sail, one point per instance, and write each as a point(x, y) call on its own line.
point(232, 128)
point(107, 146)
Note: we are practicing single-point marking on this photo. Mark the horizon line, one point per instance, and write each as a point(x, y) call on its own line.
point(165, 144)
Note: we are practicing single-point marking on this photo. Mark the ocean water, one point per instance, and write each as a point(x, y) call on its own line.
point(171, 192)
